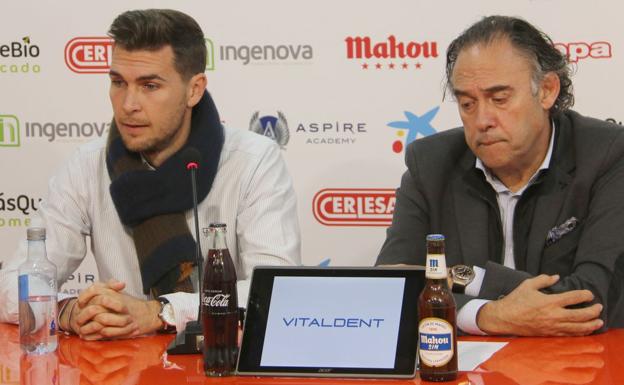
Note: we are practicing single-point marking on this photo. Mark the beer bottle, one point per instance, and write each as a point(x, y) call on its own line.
point(437, 326)
point(219, 306)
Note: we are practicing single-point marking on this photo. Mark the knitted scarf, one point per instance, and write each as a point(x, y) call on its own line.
point(152, 203)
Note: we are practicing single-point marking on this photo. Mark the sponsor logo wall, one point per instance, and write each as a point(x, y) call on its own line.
point(342, 96)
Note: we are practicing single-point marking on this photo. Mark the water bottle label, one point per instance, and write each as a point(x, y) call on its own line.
point(435, 341)
point(23, 287)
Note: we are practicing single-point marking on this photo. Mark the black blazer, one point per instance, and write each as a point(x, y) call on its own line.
point(443, 192)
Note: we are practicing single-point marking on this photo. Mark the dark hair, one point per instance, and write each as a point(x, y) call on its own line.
point(153, 29)
point(529, 41)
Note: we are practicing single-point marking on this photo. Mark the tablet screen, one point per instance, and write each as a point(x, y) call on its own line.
point(342, 321)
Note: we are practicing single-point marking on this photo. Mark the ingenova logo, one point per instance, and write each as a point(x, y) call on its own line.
point(9, 131)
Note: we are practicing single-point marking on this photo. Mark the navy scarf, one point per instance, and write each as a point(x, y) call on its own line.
point(152, 203)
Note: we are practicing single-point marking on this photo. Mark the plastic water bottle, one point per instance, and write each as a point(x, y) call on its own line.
point(37, 297)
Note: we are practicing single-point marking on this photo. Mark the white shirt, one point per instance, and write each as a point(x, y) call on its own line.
point(252, 193)
point(507, 201)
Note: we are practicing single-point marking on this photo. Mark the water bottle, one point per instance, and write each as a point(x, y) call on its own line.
point(37, 297)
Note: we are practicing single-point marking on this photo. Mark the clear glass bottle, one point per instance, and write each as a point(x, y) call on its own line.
point(42, 369)
point(219, 306)
point(37, 280)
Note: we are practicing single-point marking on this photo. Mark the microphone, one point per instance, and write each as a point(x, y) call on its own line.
point(191, 340)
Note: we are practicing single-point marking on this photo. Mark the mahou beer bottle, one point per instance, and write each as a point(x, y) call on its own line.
point(437, 326)
point(219, 306)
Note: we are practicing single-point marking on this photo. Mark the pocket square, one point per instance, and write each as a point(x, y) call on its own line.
point(557, 232)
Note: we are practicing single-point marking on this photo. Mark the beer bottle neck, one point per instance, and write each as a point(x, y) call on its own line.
point(436, 267)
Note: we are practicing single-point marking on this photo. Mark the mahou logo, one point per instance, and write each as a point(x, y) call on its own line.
point(217, 300)
point(391, 53)
point(581, 50)
point(354, 207)
point(89, 55)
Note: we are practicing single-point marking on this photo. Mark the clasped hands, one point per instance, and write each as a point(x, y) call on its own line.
point(103, 311)
point(527, 311)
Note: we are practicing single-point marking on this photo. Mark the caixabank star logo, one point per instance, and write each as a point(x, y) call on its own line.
point(412, 128)
point(9, 131)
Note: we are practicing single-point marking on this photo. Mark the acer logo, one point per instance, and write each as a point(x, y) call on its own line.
point(354, 207)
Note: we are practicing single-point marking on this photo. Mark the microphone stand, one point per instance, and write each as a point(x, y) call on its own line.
point(192, 339)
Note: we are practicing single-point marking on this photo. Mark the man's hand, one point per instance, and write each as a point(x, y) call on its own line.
point(104, 312)
point(528, 312)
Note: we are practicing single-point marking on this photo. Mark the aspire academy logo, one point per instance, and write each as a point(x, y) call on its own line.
point(410, 129)
point(273, 127)
point(390, 54)
point(354, 207)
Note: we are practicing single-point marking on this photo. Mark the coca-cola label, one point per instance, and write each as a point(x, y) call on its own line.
point(216, 300)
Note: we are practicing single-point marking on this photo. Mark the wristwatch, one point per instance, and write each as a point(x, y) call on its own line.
point(166, 316)
point(461, 275)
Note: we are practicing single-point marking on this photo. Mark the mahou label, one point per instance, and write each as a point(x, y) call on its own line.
point(435, 341)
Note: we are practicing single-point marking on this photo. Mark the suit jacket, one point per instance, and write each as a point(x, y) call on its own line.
point(443, 192)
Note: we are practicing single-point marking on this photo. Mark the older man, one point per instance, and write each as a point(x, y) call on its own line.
point(527, 192)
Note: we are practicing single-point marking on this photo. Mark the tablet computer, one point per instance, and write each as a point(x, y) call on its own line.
point(332, 322)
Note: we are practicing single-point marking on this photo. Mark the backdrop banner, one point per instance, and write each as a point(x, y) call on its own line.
point(342, 86)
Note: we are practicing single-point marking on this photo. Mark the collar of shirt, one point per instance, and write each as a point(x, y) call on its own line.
point(499, 187)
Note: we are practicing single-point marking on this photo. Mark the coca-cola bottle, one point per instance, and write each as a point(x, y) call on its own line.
point(219, 307)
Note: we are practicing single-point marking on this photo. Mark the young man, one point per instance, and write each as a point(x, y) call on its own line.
point(132, 194)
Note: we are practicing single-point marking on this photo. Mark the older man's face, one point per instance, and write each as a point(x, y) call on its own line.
point(505, 120)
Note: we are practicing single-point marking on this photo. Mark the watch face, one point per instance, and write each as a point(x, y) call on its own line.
point(463, 272)
point(167, 314)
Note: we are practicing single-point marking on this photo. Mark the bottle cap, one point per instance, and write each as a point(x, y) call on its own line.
point(435, 237)
point(36, 234)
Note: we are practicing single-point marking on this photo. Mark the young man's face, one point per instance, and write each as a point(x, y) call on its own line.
point(151, 101)
point(505, 119)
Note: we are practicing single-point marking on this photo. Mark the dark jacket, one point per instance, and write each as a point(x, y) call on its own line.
point(443, 192)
